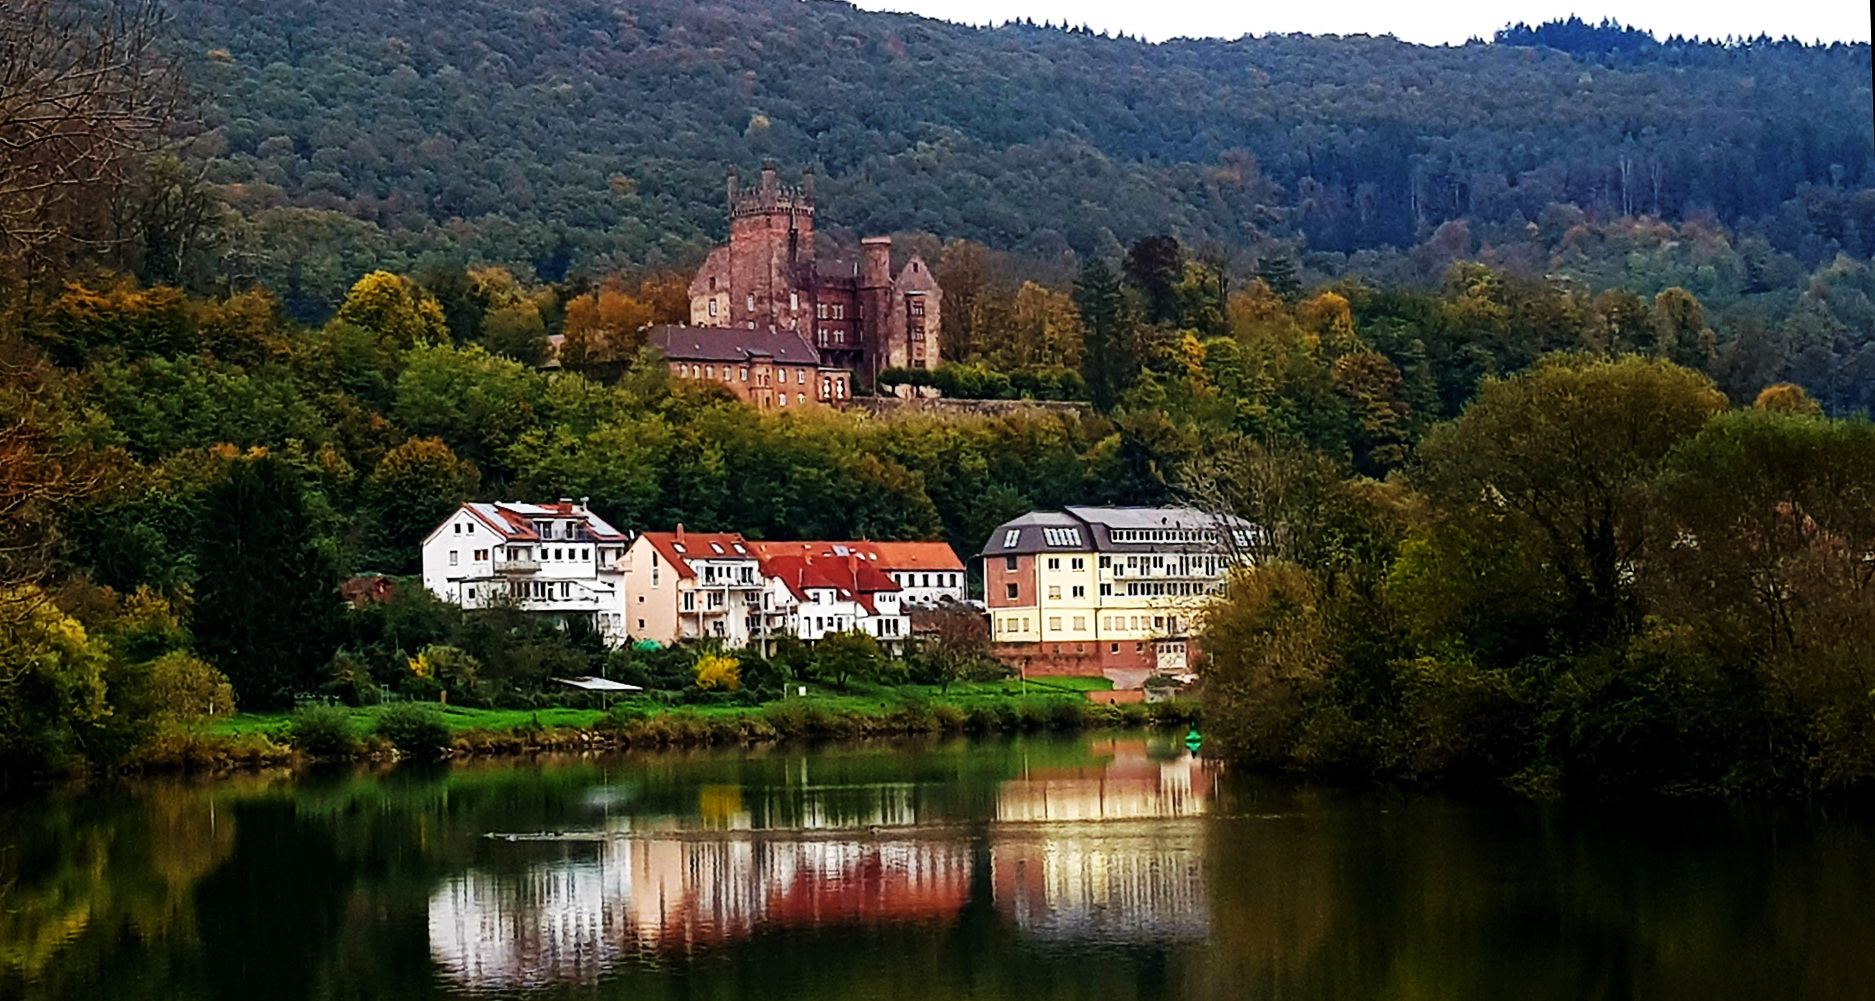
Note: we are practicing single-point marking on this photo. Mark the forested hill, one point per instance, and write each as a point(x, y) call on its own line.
point(584, 134)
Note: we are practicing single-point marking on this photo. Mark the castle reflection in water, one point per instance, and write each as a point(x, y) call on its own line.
point(1108, 851)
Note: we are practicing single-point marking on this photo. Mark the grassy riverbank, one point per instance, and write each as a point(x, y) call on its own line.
point(823, 713)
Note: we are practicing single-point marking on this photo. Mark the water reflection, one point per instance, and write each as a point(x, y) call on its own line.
point(1042, 869)
point(1107, 848)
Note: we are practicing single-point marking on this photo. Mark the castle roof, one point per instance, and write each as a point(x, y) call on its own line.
point(732, 344)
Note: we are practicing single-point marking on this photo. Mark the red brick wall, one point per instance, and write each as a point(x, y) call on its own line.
point(997, 578)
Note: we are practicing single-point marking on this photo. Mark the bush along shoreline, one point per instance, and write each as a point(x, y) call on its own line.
point(424, 731)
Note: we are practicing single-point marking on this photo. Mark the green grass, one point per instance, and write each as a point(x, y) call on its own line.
point(859, 698)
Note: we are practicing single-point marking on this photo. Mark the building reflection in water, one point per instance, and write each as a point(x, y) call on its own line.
point(1108, 851)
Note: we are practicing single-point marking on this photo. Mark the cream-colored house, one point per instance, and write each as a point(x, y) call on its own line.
point(692, 585)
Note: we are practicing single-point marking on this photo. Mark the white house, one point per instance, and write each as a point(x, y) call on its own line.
point(818, 588)
point(558, 559)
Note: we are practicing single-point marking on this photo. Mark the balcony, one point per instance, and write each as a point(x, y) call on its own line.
point(516, 565)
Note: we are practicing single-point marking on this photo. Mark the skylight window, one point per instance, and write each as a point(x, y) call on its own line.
point(1062, 536)
point(716, 547)
point(1011, 537)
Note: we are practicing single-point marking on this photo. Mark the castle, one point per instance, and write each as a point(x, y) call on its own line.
point(767, 283)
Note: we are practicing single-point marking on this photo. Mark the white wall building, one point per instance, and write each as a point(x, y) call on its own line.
point(558, 559)
point(816, 589)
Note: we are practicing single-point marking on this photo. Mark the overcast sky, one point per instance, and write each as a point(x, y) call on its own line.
point(1440, 21)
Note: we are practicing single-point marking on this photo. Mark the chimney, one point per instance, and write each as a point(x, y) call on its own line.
point(583, 504)
point(680, 531)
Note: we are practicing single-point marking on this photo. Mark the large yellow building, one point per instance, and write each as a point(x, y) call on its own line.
point(1107, 591)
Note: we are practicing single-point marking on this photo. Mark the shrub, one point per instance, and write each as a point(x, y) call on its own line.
point(414, 728)
point(323, 732)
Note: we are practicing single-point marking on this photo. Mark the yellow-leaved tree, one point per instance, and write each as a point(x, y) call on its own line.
point(717, 672)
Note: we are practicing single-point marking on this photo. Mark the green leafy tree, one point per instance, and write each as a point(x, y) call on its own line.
point(843, 658)
point(1560, 459)
point(52, 684)
point(413, 488)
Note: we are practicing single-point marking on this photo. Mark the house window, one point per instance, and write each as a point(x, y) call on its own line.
point(458, 528)
point(471, 594)
point(1009, 562)
point(453, 557)
point(1054, 623)
point(1106, 590)
point(1054, 563)
point(744, 374)
point(1011, 588)
point(800, 376)
point(690, 601)
point(481, 556)
point(1080, 623)
point(1078, 592)
point(784, 399)
point(1077, 563)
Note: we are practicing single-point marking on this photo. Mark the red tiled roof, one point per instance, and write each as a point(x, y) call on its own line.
point(916, 555)
point(803, 566)
point(679, 550)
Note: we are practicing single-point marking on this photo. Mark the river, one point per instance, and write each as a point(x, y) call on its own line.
point(1074, 867)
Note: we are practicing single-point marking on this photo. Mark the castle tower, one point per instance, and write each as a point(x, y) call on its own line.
point(771, 251)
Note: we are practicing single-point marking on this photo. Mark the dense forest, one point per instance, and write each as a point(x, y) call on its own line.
point(590, 135)
point(1560, 495)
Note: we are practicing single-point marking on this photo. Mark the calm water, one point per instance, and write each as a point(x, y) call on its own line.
point(1093, 868)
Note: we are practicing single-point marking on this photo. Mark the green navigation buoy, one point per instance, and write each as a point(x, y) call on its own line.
point(1194, 740)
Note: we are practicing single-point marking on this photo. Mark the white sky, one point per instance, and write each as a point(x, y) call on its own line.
point(1428, 23)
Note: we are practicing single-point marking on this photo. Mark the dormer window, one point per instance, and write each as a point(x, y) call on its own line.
point(1011, 537)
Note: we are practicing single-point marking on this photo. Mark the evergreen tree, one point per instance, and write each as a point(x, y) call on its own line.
point(1279, 273)
point(1154, 267)
point(267, 603)
point(1109, 362)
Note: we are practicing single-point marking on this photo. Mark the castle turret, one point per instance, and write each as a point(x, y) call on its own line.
point(735, 186)
point(876, 270)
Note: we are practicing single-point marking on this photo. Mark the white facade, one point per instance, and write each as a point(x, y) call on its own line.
point(557, 559)
point(930, 588)
point(818, 612)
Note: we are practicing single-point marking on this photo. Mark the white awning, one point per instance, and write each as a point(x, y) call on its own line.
point(599, 684)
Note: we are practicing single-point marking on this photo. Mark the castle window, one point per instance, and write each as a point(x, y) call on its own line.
point(839, 311)
point(917, 306)
point(794, 302)
point(744, 374)
point(800, 376)
point(709, 371)
point(784, 399)
point(839, 336)
point(751, 302)
point(820, 310)
point(712, 306)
